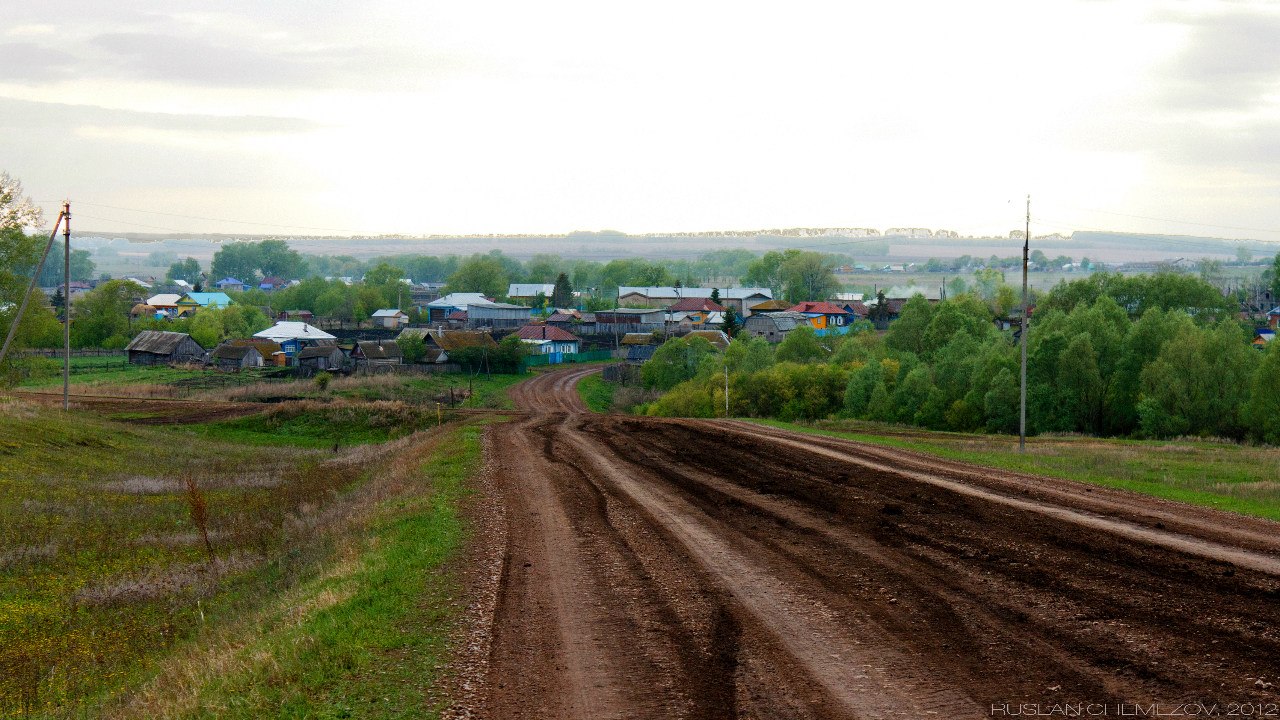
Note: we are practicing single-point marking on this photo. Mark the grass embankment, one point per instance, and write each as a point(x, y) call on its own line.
point(1226, 476)
point(104, 570)
point(597, 393)
point(366, 636)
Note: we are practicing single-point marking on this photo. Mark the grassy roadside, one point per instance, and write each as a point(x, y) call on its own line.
point(1226, 476)
point(597, 393)
point(366, 637)
point(323, 582)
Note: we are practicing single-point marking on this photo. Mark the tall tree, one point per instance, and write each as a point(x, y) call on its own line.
point(480, 273)
point(187, 270)
point(562, 294)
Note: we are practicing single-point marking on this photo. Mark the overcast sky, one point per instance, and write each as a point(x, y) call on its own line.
point(390, 116)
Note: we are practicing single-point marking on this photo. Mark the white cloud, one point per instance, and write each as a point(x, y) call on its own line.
point(505, 116)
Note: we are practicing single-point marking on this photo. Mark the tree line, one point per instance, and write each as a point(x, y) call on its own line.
point(1145, 356)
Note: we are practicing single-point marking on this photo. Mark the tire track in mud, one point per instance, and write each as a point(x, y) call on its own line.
point(713, 569)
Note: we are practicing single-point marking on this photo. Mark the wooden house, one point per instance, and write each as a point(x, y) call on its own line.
point(377, 353)
point(773, 326)
point(158, 347)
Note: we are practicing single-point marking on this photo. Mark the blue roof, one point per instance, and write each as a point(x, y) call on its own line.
point(228, 281)
point(215, 299)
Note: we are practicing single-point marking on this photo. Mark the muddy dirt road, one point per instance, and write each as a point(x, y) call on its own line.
point(653, 568)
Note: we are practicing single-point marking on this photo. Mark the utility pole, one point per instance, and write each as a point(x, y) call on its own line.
point(66, 306)
point(35, 276)
point(1022, 405)
point(726, 390)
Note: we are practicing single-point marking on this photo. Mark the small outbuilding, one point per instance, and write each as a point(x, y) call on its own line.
point(159, 347)
point(391, 318)
point(321, 357)
point(235, 357)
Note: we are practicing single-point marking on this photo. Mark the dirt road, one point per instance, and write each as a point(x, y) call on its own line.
point(712, 569)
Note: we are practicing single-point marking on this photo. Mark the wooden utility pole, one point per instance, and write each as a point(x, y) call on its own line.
point(66, 306)
point(35, 276)
point(1022, 405)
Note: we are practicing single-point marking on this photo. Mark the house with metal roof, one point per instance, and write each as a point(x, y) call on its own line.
point(827, 318)
point(440, 308)
point(192, 302)
point(159, 347)
point(391, 318)
point(528, 292)
point(229, 284)
point(497, 315)
point(741, 299)
point(549, 340)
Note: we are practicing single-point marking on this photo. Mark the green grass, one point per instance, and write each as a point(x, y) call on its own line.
point(374, 643)
point(597, 393)
point(1237, 478)
point(318, 425)
point(100, 568)
point(98, 371)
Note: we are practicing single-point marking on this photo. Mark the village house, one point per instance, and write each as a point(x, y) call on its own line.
point(638, 347)
point(625, 320)
point(191, 302)
point(770, 306)
point(527, 293)
point(440, 308)
point(826, 318)
point(229, 284)
point(743, 300)
point(496, 315)
point(439, 343)
point(373, 353)
point(158, 347)
point(391, 318)
point(549, 340)
point(271, 284)
point(270, 350)
point(294, 336)
point(773, 326)
point(235, 357)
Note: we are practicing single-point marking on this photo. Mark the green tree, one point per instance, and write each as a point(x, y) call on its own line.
point(277, 259)
point(412, 346)
point(484, 274)
point(1262, 412)
point(1275, 277)
point(907, 332)
point(82, 266)
point(809, 276)
point(675, 361)
point(749, 354)
point(100, 318)
point(187, 270)
point(730, 324)
point(562, 294)
point(802, 345)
